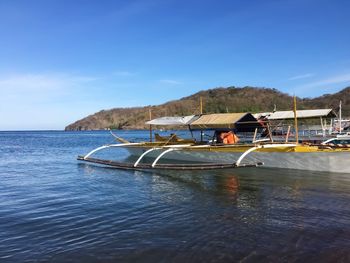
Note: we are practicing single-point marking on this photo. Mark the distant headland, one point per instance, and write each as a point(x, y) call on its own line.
point(218, 100)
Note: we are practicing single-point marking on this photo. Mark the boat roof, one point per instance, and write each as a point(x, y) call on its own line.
point(217, 121)
point(222, 120)
point(173, 121)
point(301, 114)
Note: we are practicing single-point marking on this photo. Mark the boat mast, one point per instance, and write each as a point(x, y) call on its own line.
point(201, 112)
point(339, 117)
point(296, 120)
point(150, 126)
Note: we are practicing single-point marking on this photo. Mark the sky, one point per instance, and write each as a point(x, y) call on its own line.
point(61, 60)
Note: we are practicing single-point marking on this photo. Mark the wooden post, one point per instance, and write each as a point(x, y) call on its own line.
point(255, 132)
point(323, 127)
point(201, 112)
point(340, 117)
point(296, 120)
point(189, 128)
point(287, 135)
point(150, 126)
point(269, 131)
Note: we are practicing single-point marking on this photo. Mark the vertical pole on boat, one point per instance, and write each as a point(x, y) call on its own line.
point(269, 131)
point(339, 117)
point(331, 126)
point(201, 112)
point(255, 132)
point(150, 126)
point(296, 120)
point(322, 127)
point(189, 128)
point(287, 135)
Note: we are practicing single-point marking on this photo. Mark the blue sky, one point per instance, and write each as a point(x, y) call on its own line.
point(63, 60)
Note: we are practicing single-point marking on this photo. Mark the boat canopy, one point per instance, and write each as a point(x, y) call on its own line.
point(173, 121)
point(240, 121)
point(301, 114)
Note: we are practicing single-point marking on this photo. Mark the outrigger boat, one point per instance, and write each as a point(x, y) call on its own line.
point(214, 155)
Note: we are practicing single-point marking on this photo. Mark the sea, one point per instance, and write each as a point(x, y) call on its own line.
point(54, 208)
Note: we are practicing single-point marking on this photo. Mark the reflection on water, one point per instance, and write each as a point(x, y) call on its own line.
point(56, 209)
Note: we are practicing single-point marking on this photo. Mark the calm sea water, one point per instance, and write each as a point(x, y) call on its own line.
point(53, 208)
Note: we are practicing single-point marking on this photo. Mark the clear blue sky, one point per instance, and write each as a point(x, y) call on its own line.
point(63, 60)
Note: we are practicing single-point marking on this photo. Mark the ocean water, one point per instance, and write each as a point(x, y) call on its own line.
point(56, 209)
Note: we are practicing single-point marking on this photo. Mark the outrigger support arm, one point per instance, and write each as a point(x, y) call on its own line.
point(245, 154)
point(160, 155)
point(108, 146)
point(259, 147)
point(142, 155)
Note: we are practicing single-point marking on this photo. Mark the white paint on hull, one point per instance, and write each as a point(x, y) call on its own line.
point(338, 162)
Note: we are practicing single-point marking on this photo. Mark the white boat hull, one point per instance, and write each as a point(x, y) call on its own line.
point(338, 162)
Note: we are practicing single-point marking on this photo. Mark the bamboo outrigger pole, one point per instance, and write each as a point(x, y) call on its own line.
point(296, 120)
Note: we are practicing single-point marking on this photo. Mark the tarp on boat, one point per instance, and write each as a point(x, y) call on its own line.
point(240, 121)
point(301, 114)
point(173, 121)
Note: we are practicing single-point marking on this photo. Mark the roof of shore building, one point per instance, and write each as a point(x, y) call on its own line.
point(301, 114)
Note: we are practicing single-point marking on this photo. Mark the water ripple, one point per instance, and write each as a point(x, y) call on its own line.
point(54, 209)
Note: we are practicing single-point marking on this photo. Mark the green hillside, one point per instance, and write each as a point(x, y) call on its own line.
point(218, 100)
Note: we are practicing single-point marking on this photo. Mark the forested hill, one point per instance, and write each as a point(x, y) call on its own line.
point(218, 100)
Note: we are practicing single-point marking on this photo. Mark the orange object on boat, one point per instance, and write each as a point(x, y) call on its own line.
point(229, 138)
